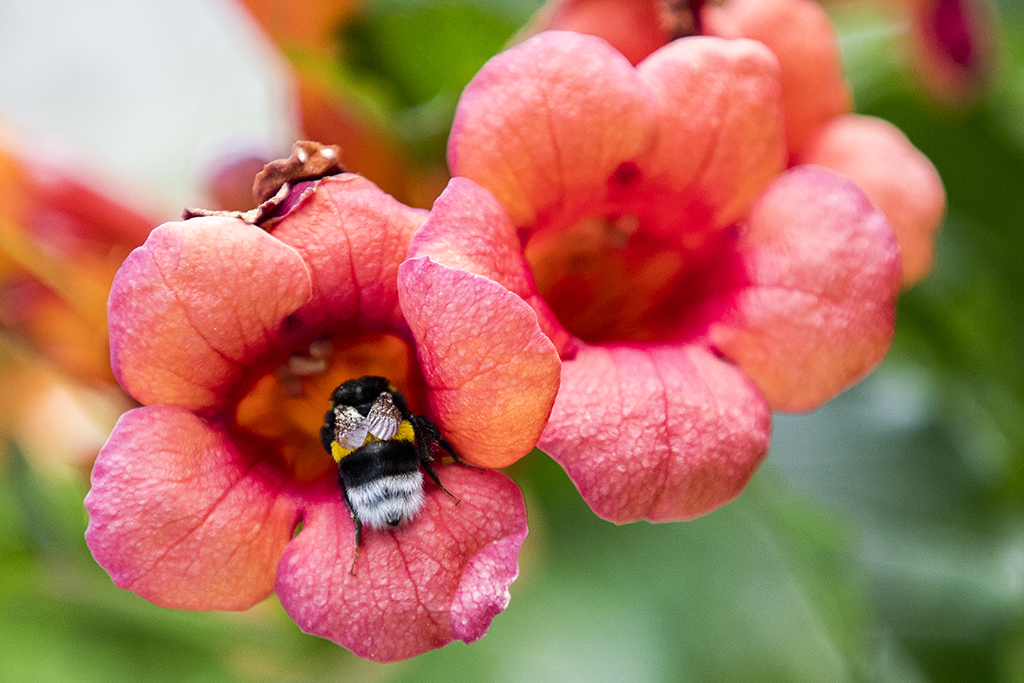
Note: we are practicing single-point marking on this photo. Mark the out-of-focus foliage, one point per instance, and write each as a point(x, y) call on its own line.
point(883, 539)
point(411, 58)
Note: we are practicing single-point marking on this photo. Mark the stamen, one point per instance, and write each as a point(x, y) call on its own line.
point(321, 350)
point(314, 362)
point(304, 366)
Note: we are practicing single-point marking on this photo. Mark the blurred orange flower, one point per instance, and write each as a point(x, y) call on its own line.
point(61, 241)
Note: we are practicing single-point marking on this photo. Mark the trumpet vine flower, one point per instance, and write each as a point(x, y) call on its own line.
point(691, 283)
point(232, 334)
point(61, 241)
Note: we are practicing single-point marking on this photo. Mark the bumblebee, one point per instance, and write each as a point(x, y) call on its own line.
point(382, 450)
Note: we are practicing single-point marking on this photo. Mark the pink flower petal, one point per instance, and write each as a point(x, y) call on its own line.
point(546, 124)
point(894, 174)
point(491, 371)
point(720, 134)
point(659, 433)
point(801, 35)
point(182, 516)
point(633, 27)
point(823, 274)
point(352, 236)
point(439, 578)
point(468, 229)
point(198, 303)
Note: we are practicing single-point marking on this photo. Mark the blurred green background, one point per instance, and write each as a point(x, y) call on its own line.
point(883, 540)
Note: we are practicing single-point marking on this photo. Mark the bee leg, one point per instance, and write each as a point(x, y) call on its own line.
point(355, 548)
point(433, 475)
point(428, 434)
point(455, 456)
point(358, 529)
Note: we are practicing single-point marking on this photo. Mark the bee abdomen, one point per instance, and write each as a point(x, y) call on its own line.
point(383, 482)
point(388, 501)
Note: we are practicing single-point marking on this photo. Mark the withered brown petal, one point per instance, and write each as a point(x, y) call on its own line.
point(309, 161)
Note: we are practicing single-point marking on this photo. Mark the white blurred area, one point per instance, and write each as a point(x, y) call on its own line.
point(141, 96)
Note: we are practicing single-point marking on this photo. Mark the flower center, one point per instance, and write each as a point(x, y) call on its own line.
point(285, 408)
point(609, 280)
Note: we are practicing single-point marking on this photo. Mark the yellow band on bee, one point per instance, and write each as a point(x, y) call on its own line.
point(337, 452)
point(405, 432)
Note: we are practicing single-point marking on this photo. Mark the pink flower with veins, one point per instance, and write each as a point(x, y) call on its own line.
point(233, 336)
point(820, 129)
point(690, 282)
point(819, 126)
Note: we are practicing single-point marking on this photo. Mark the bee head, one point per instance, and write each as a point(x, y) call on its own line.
point(361, 393)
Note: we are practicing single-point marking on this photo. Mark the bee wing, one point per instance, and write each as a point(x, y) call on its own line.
point(384, 418)
point(349, 427)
